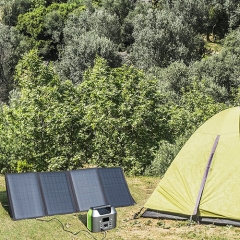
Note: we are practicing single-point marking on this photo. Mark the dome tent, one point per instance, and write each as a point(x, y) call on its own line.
point(203, 181)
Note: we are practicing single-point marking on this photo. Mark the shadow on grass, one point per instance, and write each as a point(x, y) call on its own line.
point(83, 218)
point(4, 201)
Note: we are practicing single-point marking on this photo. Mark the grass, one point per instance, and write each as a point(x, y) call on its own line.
point(213, 47)
point(127, 227)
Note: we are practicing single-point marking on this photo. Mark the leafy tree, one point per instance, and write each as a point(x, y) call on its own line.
point(87, 35)
point(12, 46)
point(100, 21)
point(162, 38)
point(13, 8)
point(231, 43)
point(193, 109)
point(121, 8)
point(232, 9)
point(126, 114)
point(175, 77)
point(194, 13)
point(31, 23)
point(44, 27)
point(127, 25)
point(42, 128)
point(207, 17)
point(221, 70)
point(218, 20)
point(236, 97)
point(164, 156)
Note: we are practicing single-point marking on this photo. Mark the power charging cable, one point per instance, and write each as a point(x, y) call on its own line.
point(74, 233)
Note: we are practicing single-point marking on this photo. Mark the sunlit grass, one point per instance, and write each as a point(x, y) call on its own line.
point(127, 227)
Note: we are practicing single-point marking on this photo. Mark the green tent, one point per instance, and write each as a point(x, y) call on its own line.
point(203, 181)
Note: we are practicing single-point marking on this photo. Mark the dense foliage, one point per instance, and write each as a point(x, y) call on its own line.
point(112, 82)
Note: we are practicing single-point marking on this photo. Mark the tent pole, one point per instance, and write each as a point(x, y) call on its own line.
point(205, 177)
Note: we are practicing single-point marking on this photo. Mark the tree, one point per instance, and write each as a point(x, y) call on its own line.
point(231, 42)
point(207, 17)
point(193, 12)
point(85, 36)
point(162, 38)
point(221, 70)
point(127, 26)
point(126, 114)
point(42, 128)
point(193, 108)
point(13, 8)
point(175, 77)
point(44, 27)
point(120, 8)
point(12, 46)
point(218, 21)
point(232, 9)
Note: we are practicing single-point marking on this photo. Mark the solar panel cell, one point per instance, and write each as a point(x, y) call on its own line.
point(57, 193)
point(87, 188)
point(24, 196)
point(115, 187)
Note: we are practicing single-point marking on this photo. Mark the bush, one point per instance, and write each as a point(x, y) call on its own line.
point(164, 156)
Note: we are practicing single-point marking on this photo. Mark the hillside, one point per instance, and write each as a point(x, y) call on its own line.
point(112, 82)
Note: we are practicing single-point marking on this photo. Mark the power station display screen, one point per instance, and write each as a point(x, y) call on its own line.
point(105, 219)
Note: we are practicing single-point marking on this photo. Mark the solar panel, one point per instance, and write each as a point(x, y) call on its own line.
point(115, 187)
point(32, 195)
point(87, 188)
point(24, 196)
point(57, 193)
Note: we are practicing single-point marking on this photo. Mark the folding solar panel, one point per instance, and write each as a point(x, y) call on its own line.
point(88, 189)
point(24, 196)
point(32, 195)
point(57, 193)
point(115, 187)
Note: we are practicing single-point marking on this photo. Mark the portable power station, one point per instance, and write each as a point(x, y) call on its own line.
point(101, 218)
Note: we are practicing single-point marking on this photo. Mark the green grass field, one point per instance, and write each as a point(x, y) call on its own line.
point(127, 227)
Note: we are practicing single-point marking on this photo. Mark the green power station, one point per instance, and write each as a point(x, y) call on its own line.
point(101, 218)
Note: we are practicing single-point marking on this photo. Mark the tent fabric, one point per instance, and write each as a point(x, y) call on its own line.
point(178, 191)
